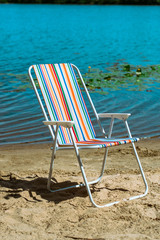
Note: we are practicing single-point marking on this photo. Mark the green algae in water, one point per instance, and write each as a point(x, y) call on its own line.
point(113, 78)
point(132, 78)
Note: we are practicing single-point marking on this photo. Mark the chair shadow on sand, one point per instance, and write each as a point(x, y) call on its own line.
point(14, 187)
point(34, 189)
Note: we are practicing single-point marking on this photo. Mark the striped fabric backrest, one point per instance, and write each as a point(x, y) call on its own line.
point(64, 100)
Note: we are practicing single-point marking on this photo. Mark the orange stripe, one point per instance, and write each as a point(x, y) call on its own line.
point(50, 88)
point(96, 141)
point(60, 117)
point(59, 93)
point(75, 102)
point(40, 85)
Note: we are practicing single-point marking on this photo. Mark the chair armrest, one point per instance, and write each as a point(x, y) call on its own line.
point(121, 116)
point(66, 124)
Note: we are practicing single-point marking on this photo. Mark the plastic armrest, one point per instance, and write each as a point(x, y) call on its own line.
point(121, 116)
point(66, 124)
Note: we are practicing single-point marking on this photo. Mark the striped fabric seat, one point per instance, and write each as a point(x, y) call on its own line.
point(64, 102)
point(103, 143)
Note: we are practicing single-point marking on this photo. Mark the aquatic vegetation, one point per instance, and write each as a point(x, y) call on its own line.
point(132, 78)
point(116, 77)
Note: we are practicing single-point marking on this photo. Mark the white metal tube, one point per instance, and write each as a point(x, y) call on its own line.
point(90, 100)
point(106, 150)
point(39, 100)
point(52, 158)
point(139, 163)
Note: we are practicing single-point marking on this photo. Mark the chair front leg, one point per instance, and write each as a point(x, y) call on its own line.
point(51, 167)
point(105, 155)
point(52, 159)
point(106, 150)
point(139, 164)
point(86, 183)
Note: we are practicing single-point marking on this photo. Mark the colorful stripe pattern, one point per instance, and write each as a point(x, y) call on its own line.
point(103, 143)
point(64, 102)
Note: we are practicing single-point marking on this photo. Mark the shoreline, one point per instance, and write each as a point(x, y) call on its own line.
point(143, 140)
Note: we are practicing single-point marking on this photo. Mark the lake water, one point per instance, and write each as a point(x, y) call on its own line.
point(96, 36)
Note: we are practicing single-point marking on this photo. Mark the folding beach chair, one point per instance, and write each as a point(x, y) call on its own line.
point(69, 122)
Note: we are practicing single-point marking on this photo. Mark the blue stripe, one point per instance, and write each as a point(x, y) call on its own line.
point(54, 93)
point(71, 100)
point(82, 101)
point(55, 114)
point(57, 102)
point(45, 87)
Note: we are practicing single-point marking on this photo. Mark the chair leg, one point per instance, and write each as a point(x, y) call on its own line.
point(139, 164)
point(106, 153)
point(102, 169)
point(106, 150)
point(52, 159)
point(115, 202)
point(77, 185)
point(90, 194)
point(51, 170)
point(87, 183)
point(142, 174)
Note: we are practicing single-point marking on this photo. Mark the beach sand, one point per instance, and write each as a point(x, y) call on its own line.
point(29, 211)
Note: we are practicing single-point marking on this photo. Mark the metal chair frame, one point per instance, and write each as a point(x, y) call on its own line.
point(68, 124)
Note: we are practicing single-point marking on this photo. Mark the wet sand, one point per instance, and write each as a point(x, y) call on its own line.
point(29, 211)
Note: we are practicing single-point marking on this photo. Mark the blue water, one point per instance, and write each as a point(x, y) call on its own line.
point(96, 36)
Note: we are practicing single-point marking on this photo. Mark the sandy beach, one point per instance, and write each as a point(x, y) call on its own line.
point(29, 211)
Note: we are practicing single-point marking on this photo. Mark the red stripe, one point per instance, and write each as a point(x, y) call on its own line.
point(63, 100)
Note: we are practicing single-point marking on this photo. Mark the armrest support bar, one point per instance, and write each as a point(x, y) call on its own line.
point(66, 124)
point(121, 116)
